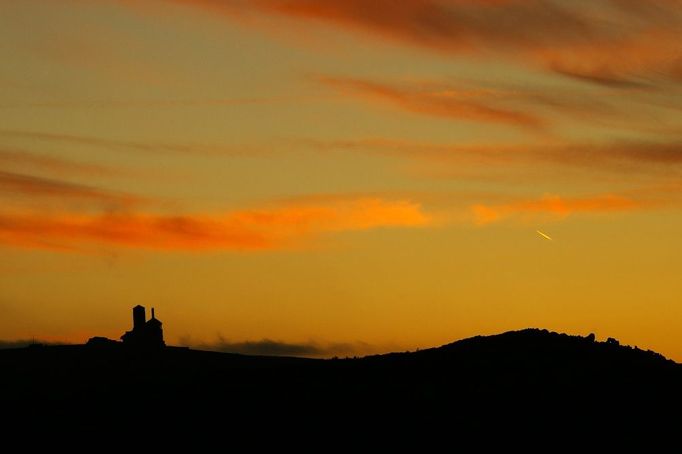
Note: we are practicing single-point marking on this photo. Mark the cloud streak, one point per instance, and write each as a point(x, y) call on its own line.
point(269, 347)
point(437, 24)
point(575, 39)
point(282, 227)
point(552, 206)
point(449, 103)
point(533, 108)
point(33, 186)
point(131, 145)
point(23, 343)
point(37, 161)
point(607, 156)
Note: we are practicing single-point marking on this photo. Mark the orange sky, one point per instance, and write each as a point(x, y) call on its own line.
point(341, 176)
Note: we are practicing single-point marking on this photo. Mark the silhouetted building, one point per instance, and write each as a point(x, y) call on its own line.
point(145, 333)
point(138, 317)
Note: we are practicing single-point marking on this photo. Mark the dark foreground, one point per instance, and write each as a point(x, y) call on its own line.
point(525, 380)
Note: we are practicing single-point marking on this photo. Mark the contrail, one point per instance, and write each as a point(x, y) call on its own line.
point(544, 235)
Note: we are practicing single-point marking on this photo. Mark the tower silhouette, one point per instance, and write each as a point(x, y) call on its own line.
point(139, 317)
point(145, 333)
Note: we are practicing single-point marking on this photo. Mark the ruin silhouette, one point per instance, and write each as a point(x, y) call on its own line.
point(145, 333)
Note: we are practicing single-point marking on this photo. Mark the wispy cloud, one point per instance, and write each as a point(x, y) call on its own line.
point(133, 145)
point(617, 156)
point(600, 76)
point(535, 108)
point(33, 186)
point(443, 25)
point(22, 343)
point(580, 39)
point(269, 347)
point(106, 52)
point(12, 158)
point(281, 227)
point(167, 103)
point(449, 103)
point(552, 206)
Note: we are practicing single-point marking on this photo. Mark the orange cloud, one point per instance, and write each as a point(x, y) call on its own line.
point(29, 160)
point(461, 105)
point(615, 156)
point(439, 24)
point(287, 226)
point(553, 206)
point(34, 186)
point(570, 38)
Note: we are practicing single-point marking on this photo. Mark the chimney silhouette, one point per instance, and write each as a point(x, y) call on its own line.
point(139, 317)
point(153, 313)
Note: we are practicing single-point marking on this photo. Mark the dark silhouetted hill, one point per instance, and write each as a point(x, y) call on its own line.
point(532, 379)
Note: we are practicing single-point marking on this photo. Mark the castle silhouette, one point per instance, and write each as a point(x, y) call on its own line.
point(145, 333)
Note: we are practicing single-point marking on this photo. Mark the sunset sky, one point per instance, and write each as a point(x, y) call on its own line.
point(341, 177)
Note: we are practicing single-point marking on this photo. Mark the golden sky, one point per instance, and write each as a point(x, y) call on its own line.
point(341, 176)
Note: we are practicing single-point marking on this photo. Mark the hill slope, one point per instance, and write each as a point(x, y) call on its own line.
point(531, 376)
